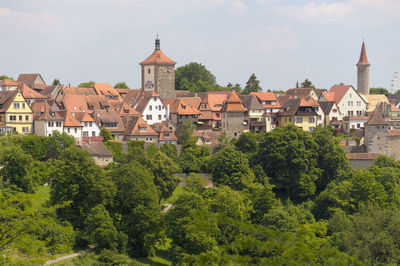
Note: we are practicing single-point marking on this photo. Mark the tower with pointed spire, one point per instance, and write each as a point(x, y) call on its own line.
point(158, 73)
point(363, 71)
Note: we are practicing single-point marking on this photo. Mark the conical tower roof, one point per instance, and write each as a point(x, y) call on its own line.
point(363, 56)
point(377, 118)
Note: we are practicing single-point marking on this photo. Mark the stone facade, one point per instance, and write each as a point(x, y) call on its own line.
point(377, 138)
point(165, 81)
point(363, 78)
point(232, 124)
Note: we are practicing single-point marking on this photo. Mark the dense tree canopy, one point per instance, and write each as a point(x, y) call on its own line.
point(121, 85)
point(194, 77)
point(252, 85)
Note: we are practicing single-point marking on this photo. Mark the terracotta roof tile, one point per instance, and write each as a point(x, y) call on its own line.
point(29, 93)
point(339, 91)
point(363, 56)
point(233, 104)
point(158, 57)
point(329, 96)
point(137, 126)
point(377, 119)
point(71, 121)
point(43, 111)
point(9, 82)
point(394, 132)
point(29, 79)
point(362, 156)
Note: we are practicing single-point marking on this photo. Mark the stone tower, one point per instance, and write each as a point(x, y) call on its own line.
point(233, 116)
point(158, 73)
point(377, 134)
point(363, 72)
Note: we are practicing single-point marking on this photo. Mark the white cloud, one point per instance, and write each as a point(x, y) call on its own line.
point(364, 12)
point(15, 20)
point(269, 38)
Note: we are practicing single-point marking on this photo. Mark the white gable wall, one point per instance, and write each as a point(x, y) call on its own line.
point(352, 104)
point(155, 111)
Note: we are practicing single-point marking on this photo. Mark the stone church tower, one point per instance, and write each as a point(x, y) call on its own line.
point(363, 72)
point(377, 134)
point(158, 73)
point(233, 116)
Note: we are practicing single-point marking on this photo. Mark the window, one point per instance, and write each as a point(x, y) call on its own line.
point(148, 71)
point(69, 130)
point(23, 105)
point(290, 119)
point(25, 129)
point(217, 114)
point(16, 105)
point(165, 116)
point(159, 107)
point(235, 134)
point(358, 125)
point(86, 124)
point(90, 124)
point(76, 130)
point(159, 117)
point(27, 118)
point(299, 120)
point(93, 134)
point(311, 129)
point(50, 124)
point(114, 125)
point(58, 123)
point(142, 128)
point(85, 133)
point(20, 118)
point(311, 120)
point(149, 117)
point(13, 118)
point(150, 107)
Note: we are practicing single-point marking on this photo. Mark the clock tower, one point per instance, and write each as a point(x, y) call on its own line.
point(158, 73)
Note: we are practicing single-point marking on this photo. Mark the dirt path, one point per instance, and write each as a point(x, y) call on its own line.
point(67, 257)
point(167, 207)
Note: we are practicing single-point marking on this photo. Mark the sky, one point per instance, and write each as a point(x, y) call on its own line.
point(281, 41)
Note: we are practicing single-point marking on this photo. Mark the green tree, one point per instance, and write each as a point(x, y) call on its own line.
point(58, 143)
point(263, 199)
point(3, 77)
point(194, 77)
point(194, 159)
point(106, 134)
point(252, 85)
point(99, 229)
point(16, 167)
point(289, 157)
point(380, 90)
point(163, 169)
point(331, 157)
point(186, 137)
point(75, 177)
point(86, 84)
point(372, 235)
point(151, 150)
point(56, 82)
point(230, 167)
point(35, 145)
point(170, 150)
point(121, 85)
point(307, 84)
point(137, 203)
point(247, 142)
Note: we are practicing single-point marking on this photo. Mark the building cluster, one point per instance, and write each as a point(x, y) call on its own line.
point(156, 112)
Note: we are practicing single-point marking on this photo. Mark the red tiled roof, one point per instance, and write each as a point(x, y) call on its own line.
point(71, 121)
point(362, 156)
point(158, 57)
point(107, 90)
point(8, 82)
point(29, 93)
point(377, 119)
point(394, 132)
point(138, 126)
point(363, 56)
point(329, 96)
point(308, 101)
point(233, 104)
point(339, 91)
point(265, 96)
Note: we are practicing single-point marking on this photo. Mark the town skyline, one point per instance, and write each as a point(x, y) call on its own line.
point(268, 38)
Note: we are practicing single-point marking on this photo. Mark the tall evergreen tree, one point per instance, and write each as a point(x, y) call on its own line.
point(252, 85)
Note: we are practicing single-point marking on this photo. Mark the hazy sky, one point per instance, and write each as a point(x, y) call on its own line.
point(281, 41)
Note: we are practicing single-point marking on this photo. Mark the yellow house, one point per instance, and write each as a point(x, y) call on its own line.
point(15, 112)
point(298, 112)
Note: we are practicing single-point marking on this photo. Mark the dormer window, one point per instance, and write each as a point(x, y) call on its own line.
point(52, 114)
point(166, 135)
point(142, 128)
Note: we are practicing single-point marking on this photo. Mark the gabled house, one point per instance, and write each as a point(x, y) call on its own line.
point(112, 121)
point(30, 95)
point(90, 129)
point(302, 93)
point(333, 116)
point(165, 134)
point(108, 91)
point(72, 126)
point(233, 116)
point(138, 129)
point(299, 112)
point(253, 117)
point(211, 106)
point(183, 109)
point(45, 119)
point(268, 100)
point(349, 100)
point(101, 155)
point(9, 85)
point(373, 100)
point(15, 112)
point(148, 104)
point(31, 80)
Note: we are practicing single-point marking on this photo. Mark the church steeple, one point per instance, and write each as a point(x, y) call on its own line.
point(363, 56)
point(363, 71)
point(157, 43)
